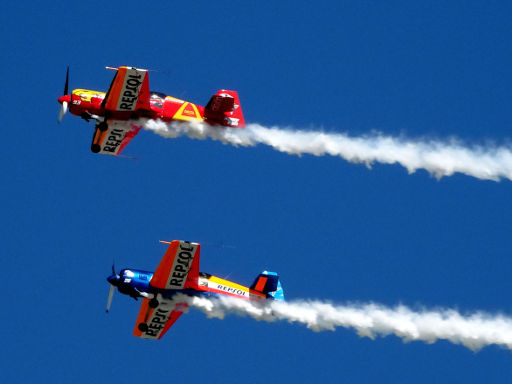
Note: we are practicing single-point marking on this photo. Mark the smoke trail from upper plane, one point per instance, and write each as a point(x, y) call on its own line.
point(437, 157)
point(473, 331)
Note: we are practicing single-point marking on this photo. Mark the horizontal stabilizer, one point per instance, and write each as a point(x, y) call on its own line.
point(221, 104)
point(224, 109)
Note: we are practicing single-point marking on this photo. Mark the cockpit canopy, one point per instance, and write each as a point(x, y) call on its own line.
point(158, 95)
point(157, 99)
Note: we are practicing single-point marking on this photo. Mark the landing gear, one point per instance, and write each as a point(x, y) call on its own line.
point(86, 116)
point(103, 126)
point(153, 303)
point(143, 327)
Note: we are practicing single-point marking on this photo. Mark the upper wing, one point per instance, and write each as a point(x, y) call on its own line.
point(179, 268)
point(115, 138)
point(129, 91)
point(153, 323)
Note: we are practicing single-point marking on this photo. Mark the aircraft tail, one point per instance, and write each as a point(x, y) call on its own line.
point(224, 108)
point(269, 284)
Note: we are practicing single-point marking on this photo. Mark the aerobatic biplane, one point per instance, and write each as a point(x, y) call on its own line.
point(178, 272)
point(129, 97)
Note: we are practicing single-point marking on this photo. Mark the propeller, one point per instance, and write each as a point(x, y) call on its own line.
point(110, 296)
point(67, 82)
point(65, 99)
point(113, 280)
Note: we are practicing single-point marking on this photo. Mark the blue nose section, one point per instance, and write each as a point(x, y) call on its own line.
point(113, 279)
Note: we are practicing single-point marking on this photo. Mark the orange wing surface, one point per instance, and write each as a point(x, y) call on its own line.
point(129, 91)
point(153, 323)
point(179, 268)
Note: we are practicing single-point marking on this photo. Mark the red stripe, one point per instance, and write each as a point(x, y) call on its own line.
point(260, 285)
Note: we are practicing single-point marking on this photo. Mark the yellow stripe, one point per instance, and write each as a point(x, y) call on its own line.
point(218, 280)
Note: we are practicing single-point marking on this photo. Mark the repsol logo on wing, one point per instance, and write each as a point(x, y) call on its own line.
point(130, 91)
point(157, 322)
point(113, 141)
point(181, 265)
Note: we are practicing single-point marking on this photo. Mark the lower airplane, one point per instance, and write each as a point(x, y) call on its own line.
point(129, 98)
point(178, 272)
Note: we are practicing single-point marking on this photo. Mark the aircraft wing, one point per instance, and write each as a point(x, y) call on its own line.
point(129, 91)
point(179, 268)
point(115, 138)
point(153, 323)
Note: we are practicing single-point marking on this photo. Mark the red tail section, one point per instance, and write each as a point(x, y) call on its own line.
point(224, 109)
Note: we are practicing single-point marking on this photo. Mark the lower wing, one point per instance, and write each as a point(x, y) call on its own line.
point(115, 138)
point(153, 323)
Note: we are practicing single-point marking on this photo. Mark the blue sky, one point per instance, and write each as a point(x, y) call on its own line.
point(333, 230)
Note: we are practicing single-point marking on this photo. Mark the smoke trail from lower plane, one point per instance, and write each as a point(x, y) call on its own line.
point(440, 158)
point(474, 331)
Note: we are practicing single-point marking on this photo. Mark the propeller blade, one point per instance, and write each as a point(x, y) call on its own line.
point(63, 110)
point(113, 269)
point(110, 296)
point(66, 83)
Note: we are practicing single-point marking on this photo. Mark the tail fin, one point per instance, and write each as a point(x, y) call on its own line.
point(224, 108)
point(269, 284)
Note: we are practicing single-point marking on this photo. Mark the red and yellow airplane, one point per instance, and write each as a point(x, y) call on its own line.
point(178, 272)
point(129, 98)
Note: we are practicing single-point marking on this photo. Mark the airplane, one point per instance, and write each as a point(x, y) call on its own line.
point(178, 272)
point(129, 98)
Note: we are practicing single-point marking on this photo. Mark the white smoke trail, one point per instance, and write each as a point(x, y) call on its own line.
point(473, 331)
point(437, 157)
